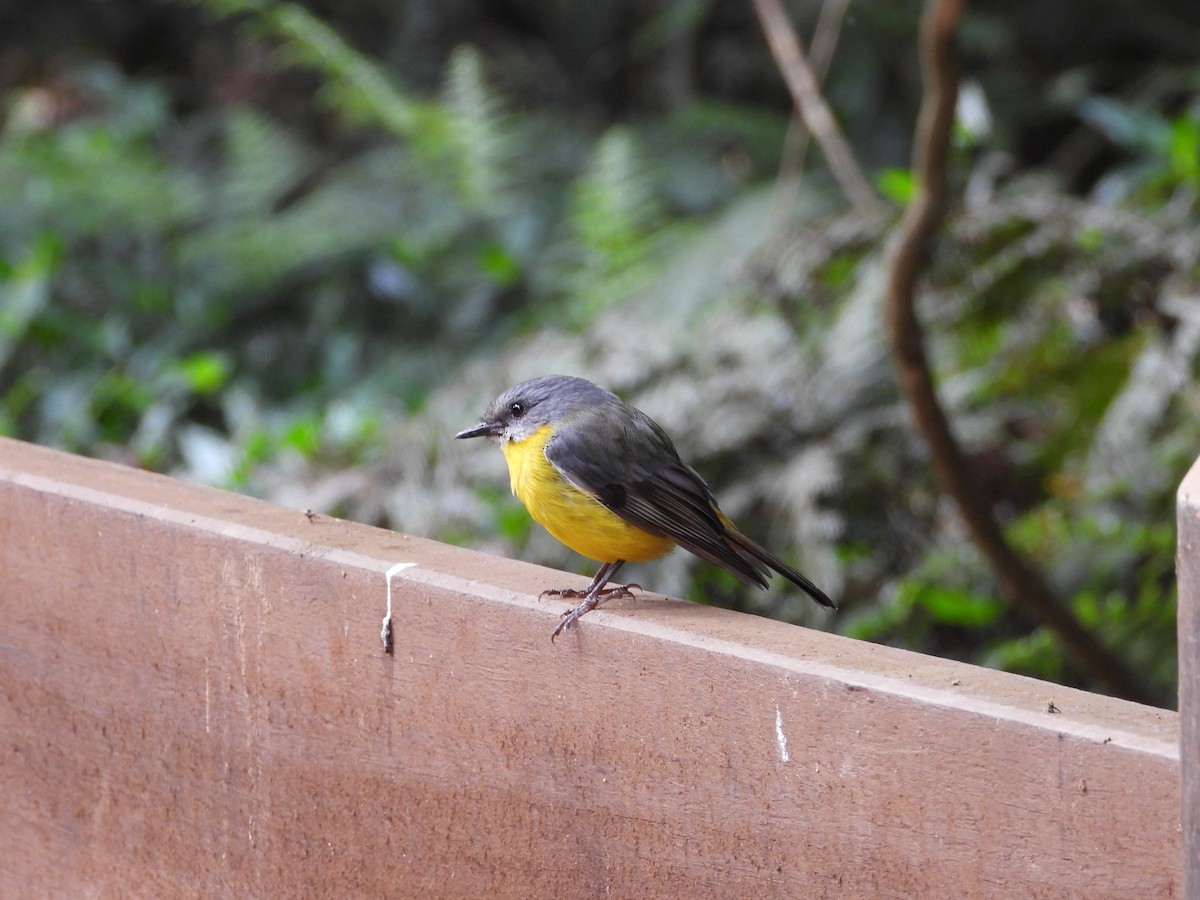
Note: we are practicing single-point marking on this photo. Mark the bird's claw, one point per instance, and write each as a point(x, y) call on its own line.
point(616, 592)
point(565, 593)
point(590, 601)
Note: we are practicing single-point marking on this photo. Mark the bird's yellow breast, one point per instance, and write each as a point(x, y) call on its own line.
point(572, 516)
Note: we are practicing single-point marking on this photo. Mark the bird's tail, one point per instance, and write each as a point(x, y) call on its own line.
point(760, 558)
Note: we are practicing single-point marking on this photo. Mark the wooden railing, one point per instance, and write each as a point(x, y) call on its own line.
point(195, 701)
point(1188, 564)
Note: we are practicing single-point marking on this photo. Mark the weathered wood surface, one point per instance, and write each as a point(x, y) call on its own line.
point(1188, 564)
point(194, 702)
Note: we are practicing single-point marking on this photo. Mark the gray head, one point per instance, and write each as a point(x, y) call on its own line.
point(524, 408)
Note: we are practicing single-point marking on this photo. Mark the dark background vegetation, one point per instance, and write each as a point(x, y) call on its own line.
point(289, 249)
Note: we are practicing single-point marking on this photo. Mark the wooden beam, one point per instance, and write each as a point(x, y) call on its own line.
point(1188, 563)
point(195, 702)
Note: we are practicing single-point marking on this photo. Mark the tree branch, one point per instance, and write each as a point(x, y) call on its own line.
point(795, 142)
point(1023, 585)
point(806, 95)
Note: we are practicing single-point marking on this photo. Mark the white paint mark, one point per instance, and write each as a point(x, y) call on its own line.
point(780, 737)
point(385, 631)
point(207, 698)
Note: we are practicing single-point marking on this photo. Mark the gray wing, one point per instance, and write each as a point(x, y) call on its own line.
point(619, 456)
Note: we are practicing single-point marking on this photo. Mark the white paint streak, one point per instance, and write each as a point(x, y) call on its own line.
point(780, 737)
point(207, 698)
point(385, 630)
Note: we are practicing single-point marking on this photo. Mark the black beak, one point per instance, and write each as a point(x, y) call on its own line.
point(483, 429)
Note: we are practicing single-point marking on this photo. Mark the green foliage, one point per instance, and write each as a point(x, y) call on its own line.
point(211, 287)
point(897, 185)
point(225, 295)
point(513, 522)
point(1100, 550)
point(480, 135)
point(1164, 151)
point(614, 219)
point(1043, 366)
point(948, 593)
point(352, 84)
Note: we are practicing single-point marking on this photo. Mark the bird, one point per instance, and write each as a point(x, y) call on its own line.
point(604, 479)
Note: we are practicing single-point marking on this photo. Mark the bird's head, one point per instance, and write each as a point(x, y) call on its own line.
point(524, 408)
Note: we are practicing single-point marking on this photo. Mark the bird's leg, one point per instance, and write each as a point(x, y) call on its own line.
point(593, 595)
point(607, 571)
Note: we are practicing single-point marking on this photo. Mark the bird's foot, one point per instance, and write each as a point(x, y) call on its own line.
point(616, 592)
point(591, 599)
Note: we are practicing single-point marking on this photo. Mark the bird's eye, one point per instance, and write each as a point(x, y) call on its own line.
point(516, 410)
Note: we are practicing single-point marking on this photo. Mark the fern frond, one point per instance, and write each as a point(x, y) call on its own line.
point(613, 206)
point(354, 85)
point(479, 130)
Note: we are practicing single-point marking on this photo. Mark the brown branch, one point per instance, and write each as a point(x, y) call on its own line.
point(795, 142)
point(1023, 585)
point(806, 95)
point(825, 37)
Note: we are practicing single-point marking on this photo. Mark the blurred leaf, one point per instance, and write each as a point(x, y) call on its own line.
point(478, 132)
point(1184, 151)
point(499, 265)
point(1127, 126)
point(206, 373)
point(354, 85)
point(960, 608)
point(303, 435)
point(897, 185)
point(25, 291)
